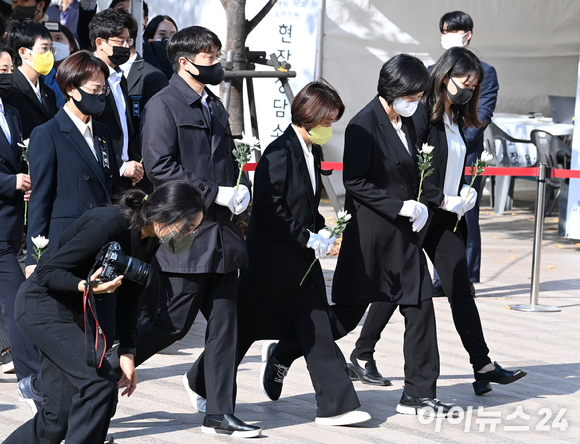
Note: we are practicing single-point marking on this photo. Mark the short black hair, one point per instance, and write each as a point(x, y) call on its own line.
point(153, 24)
point(189, 42)
point(110, 23)
point(145, 6)
point(78, 68)
point(25, 35)
point(402, 75)
point(456, 21)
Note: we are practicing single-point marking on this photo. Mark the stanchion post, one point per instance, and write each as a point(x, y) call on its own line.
point(537, 250)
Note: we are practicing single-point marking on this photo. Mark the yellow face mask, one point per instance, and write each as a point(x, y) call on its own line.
point(41, 63)
point(320, 134)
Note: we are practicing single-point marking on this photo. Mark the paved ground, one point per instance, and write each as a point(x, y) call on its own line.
point(543, 344)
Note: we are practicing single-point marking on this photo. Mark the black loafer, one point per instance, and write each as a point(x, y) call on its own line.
point(499, 375)
point(409, 405)
point(229, 425)
point(438, 291)
point(369, 375)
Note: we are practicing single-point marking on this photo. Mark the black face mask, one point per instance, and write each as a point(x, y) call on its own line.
point(21, 13)
point(120, 55)
point(6, 84)
point(90, 104)
point(462, 96)
point(208, 75)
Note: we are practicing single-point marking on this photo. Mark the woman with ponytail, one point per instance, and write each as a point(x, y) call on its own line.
point(78, 395)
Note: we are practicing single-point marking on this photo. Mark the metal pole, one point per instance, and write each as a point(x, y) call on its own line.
point(537, 250)
point(137, 12)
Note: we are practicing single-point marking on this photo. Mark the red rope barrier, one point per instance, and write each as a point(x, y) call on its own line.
point(489, 171)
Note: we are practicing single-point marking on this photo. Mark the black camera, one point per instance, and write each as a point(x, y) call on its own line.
point(116, 263)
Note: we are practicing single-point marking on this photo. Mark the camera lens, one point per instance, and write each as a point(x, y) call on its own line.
point(137, 270)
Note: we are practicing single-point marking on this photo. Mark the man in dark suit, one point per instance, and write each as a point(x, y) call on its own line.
point(14, 189)
point(110, 35)
point(456, 30)
point(36, 102)
point(143, 82)
point(186, 135)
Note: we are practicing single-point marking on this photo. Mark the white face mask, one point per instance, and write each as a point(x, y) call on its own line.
point(452, 39)
point(405, 109)
point(61, 52)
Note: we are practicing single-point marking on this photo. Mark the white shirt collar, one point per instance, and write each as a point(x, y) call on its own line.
point(36, 87)
point(82, 126)
point(306, 148)
point(451, 125)
point(1, 107)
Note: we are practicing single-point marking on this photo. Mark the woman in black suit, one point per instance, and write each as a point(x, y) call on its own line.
point(78, 385)
point(72, 164)
point(450, 106)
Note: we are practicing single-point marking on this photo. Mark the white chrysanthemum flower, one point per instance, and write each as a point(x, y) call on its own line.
point(40, 241)
point(249, 140)
point(427, 149)
point(486, 156)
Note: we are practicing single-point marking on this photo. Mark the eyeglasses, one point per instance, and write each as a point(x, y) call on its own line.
point(44, 50)
point(192, 232)
point(121, 41)
point(102, 90)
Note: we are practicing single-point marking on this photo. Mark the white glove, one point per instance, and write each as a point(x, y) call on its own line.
point(326, 234)
point(416, 212)
point(226, 198)
point(241, 199)
point(468, 199)
point(319, 244)
point(454, 204)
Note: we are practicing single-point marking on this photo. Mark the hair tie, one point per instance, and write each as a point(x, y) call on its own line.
point(144, 199)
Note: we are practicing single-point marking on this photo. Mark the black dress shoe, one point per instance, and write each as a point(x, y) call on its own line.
point(499, 375)
point(438, 291)
point(229, 425)
point(369, 375)
point(409, 405)
point(272, 373)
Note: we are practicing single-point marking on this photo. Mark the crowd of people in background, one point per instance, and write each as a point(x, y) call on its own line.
point(97, 133)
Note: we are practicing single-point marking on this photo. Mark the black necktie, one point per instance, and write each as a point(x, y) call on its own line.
point(206, 115)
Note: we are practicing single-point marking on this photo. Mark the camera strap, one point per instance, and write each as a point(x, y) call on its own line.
point(95, 340)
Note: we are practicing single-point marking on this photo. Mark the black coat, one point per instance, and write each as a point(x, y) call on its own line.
point(380, 257)
point(178, 144)
point(61, 269)
point(24, 99)
point(284, 209)
point(67, 180)
point(11, 164)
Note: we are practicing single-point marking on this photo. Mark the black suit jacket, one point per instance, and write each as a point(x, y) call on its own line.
point(11, 164)
point(67, 180)
point(111, 118)
point(24, 99)
point(380, 257)
point(285, 208)
point(72, 257)
point(143, 82)
point(178, 144)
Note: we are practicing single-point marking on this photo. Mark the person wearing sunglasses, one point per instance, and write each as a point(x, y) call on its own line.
point(33, 56)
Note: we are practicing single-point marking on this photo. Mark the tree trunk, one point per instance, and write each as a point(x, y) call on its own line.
point(236, 41)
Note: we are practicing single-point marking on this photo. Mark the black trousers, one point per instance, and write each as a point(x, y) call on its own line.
point(215, 295)
point(313, 338)
point(419, 349)
point(80, 400)
point(446, 250)
point(24, 353)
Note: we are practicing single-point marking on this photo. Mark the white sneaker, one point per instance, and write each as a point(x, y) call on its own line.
point(197, 401)
point(348, 418)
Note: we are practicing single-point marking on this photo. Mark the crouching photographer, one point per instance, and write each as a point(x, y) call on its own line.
point(83, 293)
